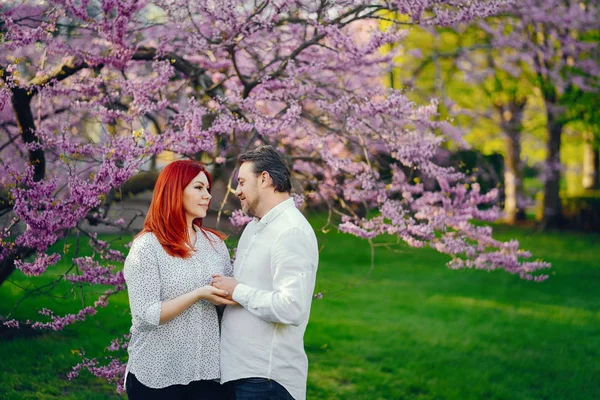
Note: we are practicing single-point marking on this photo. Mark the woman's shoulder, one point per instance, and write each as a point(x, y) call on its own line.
point(145, 241)
point(143, 248)
point(213, 236)
point(216, 241)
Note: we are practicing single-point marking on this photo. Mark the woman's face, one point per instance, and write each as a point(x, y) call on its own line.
point(196, 197)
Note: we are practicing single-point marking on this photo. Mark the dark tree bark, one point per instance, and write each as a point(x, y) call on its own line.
point(551, 218)
point(21, 102)
point(7, 265)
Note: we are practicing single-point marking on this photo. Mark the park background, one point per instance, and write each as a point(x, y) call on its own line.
point(390, 321)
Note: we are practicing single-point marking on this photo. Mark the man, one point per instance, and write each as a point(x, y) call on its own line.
point(262, 340)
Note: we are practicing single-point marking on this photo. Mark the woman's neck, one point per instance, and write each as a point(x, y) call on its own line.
point(191, 235)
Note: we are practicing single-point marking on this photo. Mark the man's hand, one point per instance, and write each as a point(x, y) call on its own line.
point(224, 283)
point(216, 296)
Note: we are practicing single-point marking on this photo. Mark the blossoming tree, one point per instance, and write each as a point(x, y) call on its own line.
point(533, 46)
point(93, 89)
point(554, 44)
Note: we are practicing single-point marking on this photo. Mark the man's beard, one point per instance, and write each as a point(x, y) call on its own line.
point(250, 209)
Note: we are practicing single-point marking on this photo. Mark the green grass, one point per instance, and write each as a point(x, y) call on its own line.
point(416, 330)
point(412, 330)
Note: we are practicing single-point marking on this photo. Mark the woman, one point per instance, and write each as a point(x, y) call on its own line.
point(174, 346)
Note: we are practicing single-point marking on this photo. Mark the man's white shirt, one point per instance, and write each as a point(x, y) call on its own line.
point(276, 266)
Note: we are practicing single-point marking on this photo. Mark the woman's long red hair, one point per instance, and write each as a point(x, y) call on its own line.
point(166, 216)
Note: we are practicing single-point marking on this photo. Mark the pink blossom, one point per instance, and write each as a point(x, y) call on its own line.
point(238, 218)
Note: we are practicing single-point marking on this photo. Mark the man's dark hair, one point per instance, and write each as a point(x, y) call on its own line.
point(266, 158)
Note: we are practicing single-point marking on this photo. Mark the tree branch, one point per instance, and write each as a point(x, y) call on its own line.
point(196, 74)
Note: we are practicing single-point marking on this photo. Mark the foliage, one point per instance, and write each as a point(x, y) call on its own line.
point(487, 169)
point(582, 211)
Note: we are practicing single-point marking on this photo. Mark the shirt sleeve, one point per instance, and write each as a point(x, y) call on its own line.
point(143, 283)
point(293, 266)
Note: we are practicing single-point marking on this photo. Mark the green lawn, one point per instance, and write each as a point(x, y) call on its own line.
point(412, 330)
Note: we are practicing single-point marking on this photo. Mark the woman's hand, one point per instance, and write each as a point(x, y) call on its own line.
point(216, 296)
point(225, 283)
point(173, 307)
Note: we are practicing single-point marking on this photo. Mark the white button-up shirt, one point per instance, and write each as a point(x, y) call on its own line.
point(276, 267)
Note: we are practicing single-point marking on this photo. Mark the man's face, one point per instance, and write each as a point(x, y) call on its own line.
point(248, 188)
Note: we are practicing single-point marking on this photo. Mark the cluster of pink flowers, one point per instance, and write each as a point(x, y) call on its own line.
point(57, 323)
point(93, 272)
point(238, 218)
point(39, 265)
point(113, 371)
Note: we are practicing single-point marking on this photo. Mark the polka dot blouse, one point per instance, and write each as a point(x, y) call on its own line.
point(186, 348)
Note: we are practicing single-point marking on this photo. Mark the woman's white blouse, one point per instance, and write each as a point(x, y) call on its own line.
point(186, 348)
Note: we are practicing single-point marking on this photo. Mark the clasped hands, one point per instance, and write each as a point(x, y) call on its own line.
point(225, 283)
point(219, 291)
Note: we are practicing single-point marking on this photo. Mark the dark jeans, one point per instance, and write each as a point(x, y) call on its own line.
point(258, 389)
point(197, 390)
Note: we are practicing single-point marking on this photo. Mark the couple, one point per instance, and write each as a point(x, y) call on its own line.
point(178, 272)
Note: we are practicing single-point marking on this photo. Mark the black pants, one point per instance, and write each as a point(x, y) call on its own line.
point(197, 390)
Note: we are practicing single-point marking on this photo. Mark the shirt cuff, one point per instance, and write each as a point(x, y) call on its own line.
point(241, 294)
point(153, 314)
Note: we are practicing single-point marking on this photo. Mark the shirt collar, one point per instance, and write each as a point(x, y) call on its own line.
point(275, 211)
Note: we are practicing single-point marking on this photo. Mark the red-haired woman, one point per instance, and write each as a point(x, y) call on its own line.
point(174, 346)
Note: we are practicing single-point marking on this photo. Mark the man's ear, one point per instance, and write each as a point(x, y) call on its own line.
point(265, 179)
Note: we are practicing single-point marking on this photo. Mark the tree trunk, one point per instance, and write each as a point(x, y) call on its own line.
point(21, 102)
point(7, 265)
point(591, 163)
point(512, 125)
point(551, 218)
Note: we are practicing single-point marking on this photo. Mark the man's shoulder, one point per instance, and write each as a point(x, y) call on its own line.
point(293, 222)
point(293, 218)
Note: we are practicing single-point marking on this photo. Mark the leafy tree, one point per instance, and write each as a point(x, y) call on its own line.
point(584, 108)
point(469, 75)
point(554, 39)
